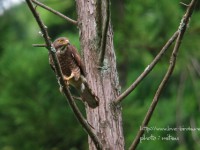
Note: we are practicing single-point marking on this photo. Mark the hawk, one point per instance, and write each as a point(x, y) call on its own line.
point(72, 70)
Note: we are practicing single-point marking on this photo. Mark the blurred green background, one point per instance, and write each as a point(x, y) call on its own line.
point(35, 116)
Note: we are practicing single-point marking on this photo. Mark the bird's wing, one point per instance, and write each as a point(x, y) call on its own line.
point(77, 58)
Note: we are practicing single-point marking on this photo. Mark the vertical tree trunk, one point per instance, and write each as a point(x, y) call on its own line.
point(105, 119)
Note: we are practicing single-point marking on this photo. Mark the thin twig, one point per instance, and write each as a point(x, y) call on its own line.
point(65, 90)
point(104, 34)
point(54, 12)
point(39, 45)
point(148, 69)
point(184, 4)
point(182, 28)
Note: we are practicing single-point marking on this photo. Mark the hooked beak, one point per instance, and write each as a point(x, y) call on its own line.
point(66, 42)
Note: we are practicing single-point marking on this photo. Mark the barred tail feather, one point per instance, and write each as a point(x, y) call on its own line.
point(88, 96)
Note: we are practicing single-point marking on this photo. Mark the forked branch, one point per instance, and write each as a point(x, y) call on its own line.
point(66, 91)
point(147, 70)
point(182, 28)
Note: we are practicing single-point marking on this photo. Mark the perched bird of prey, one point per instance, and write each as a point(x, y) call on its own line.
point(73, 70)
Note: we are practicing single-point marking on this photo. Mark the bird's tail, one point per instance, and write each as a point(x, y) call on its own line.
point(88, 96)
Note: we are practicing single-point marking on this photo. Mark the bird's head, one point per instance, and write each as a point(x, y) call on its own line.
point(61, 43)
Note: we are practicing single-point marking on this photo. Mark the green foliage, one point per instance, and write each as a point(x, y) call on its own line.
point(34, 115)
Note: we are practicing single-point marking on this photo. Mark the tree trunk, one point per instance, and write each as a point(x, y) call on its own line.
point(105, 119)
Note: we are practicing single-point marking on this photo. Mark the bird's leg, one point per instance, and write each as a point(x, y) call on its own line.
point(68, 78)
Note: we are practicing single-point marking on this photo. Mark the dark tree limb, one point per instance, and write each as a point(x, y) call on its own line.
point(182, 28)
point(104, 34)
point(54, 12)
point(65, 90)
point(148, 69)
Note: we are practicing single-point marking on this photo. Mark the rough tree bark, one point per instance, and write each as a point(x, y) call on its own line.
point(105, 119)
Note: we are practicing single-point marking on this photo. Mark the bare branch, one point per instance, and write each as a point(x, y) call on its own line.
point(54, 12)
point(182, 28)
point(148, 69)
point(184, 4)
point(104, 34)
point(65, 90)
point(39, 45)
